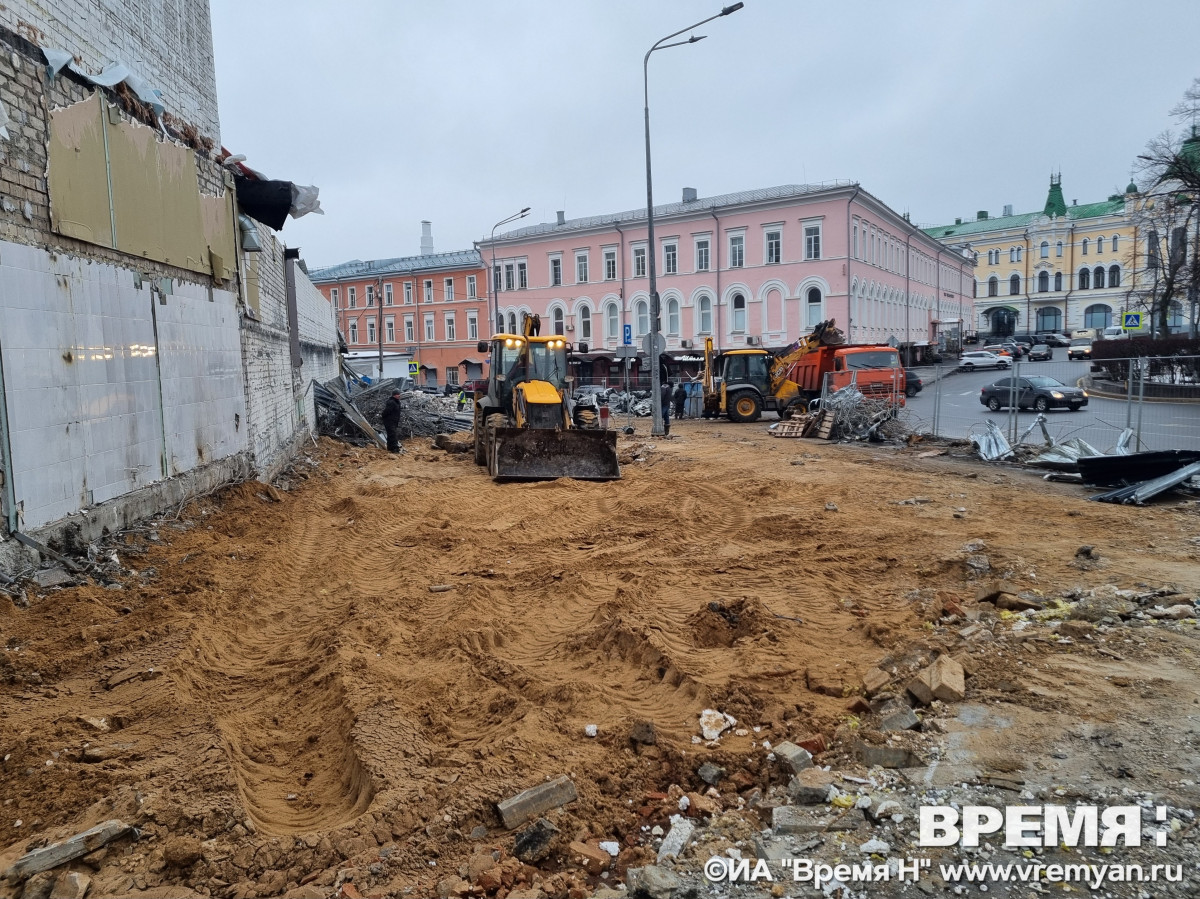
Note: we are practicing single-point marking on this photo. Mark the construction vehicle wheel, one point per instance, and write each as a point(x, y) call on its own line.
point(745, 407)
point(480, 441)
point(494, 421)
point(792, 409)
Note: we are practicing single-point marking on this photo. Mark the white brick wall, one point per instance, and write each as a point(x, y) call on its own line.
point(167, 42)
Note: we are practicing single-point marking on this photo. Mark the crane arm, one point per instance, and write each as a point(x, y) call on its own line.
point(824, 334)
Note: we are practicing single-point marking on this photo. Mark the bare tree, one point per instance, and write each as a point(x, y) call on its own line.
point(1167, 264)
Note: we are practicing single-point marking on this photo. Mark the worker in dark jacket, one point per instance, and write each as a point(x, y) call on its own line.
point(391, 421)
point(665, 395)
point(680, 397)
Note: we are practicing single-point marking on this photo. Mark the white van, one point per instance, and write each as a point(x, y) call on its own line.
point(1114, 333)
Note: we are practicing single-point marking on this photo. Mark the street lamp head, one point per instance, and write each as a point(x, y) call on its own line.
point(728, 9)
point(694, 38)
point(525, 211)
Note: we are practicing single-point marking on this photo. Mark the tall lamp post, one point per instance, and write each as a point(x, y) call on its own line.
point(656, 428)
point(494, 288)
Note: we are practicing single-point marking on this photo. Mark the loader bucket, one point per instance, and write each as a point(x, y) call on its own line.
point(543, 454)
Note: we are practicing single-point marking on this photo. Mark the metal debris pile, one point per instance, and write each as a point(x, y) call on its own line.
point(857, 416)
point(357, 418)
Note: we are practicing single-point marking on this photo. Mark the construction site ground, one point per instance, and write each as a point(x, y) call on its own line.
point(334, 680)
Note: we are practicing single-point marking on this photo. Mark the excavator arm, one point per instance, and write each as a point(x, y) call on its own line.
point(824, 334)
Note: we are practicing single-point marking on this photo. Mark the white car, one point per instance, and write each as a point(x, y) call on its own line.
point(982, 359)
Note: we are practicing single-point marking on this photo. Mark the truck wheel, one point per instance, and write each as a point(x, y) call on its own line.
point(994, 404)
point(745, 407)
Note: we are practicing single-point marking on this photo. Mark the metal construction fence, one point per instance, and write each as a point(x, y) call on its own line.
point(1157, 398)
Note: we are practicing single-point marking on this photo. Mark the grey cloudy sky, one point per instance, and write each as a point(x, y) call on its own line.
point(464, 111)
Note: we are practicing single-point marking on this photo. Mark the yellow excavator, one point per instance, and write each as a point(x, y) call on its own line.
point(525, 426)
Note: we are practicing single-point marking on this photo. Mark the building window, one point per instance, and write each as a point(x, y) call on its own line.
point(472, 326)
point(1049, 318)
point(354, 330)
point(333, 296)
point(581, 268)
point(557, 318)
point(610, 265)
point(390, 326)
point(452, 376)
point(1085, 279)
point(1175, 316)
point(510, 276)
point(522, 276)
point(737, 251)
point(993, 286)
point(448, 289)
point(1058, 280)
point(613, 322)
point(1114, 243)
point(428, 290)
point(1014, 285)
point(555, 271)
point(639, 262)
point(471, 289)
point(814, 310)
point(702, 255)
point(352, 296)
point(408, 329)
point(1084, 247)
point(774, 249)
point(371, 330)
point(739, 314)
point(854, 231)
point(429, 327)
point(1114, 275)
point(670, 259)
point(1098, 316)
point(370, 295)
point(812, 241)
point(585, 323)
point(1020, 253)
point(408, 298)
point(1012, 254)
point(496, 279)
point(642, 316)
point(705, 315)
point(1043, 282)
point(1099, 246)
point(512, 323)
point(1058, 249)
point(387, 294)
point(450, 329)
point(1098, 278)
point(1045, 249)
point(673, 317)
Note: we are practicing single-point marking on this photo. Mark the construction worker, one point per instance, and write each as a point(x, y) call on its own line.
point(391, 421)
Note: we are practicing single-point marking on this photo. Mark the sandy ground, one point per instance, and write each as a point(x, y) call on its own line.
point(287, 690)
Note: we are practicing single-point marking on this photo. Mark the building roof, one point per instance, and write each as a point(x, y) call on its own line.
point(984, 226)
point(744, 197)
point(403, 265)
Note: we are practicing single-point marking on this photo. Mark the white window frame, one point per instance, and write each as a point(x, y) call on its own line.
point(737, 250)
point(429, 332)
point(370, 295)
point(353, 330)
point(389, 329)
point(553, 280)
point(639, 260)
point(641, 311)
point(370, 331)
point(333, 297)
point(582, 272)
point(428, 290)
point(522, 274)
point(585, 323)
point(351, 297)
point(409, 329)
point(704, 310)
point(775, 229)
point(510, 276)
point(612, 321)
point(451, 327)
point(733, 314)
point(408, 293)
point(673, 317)
point(472, 325)
point(809, 227)
point(448, 290)
point(670, 257)
point(387, 294)
point(702, 252)
point(452, 376)
point(472, 288)
point(610, 263)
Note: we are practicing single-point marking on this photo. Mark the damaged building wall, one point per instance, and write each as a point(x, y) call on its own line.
point(167, 44)
point(318, 340)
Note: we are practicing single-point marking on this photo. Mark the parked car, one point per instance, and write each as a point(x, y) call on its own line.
point(912, 382)
point(1080, 348)
point(1040, 393)
point(1040, 353)
point(1115, 333)
point(999, 349)
point(1052, 338)
point(982, 359)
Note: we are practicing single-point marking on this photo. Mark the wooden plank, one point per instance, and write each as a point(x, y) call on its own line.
point(532, 802)
point(60, 853)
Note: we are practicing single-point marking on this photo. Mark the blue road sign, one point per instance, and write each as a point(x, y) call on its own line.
point(1131, 321)
point(413, 369)
point(628, 341)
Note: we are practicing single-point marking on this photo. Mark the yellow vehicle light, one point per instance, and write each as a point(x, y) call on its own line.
point(1085, 393)
point(508, 342)
point(1056, 394)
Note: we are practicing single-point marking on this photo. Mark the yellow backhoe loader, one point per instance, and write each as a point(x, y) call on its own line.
point(524, 426)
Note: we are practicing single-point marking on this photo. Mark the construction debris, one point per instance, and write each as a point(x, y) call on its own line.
point(353, 417)
point(68, 850)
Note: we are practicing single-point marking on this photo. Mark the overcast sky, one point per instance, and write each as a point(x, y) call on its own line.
point(464, 111)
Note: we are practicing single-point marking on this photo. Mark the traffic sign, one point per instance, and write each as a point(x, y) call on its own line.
point(628, 340)
point(1131, 321)
point(626, 352)
point(659, 346)
point(414, 369)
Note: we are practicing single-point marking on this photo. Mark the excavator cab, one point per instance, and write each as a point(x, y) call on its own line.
point(523, 426)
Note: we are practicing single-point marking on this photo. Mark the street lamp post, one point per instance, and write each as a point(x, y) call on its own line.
point(656, 428)
point(494, 288)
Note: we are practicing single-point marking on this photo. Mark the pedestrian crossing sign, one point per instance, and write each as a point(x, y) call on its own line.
point(1131, 321)
point(413, 369)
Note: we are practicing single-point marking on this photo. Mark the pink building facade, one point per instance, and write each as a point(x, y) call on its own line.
point(755, 268)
